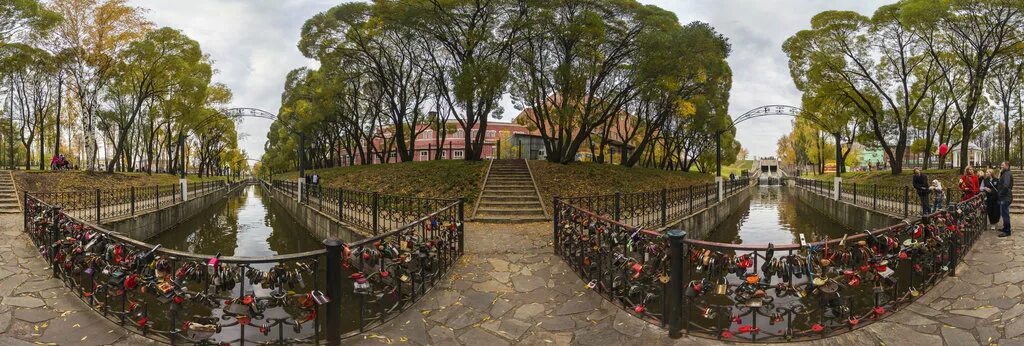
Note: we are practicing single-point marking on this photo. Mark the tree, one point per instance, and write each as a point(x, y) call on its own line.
point(877, 64)
point(967, 40)
point(164, 60)
point(92, 36)
point(470, 45)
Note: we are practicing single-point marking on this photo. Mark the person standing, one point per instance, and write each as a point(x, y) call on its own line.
point(938, 198)
point(969, 184)
point(989, 187)
point(1005, 197)
point(920, 182)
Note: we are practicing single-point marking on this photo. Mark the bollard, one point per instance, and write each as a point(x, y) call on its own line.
point(334, 282)
point(664, 207)
point(676, 315)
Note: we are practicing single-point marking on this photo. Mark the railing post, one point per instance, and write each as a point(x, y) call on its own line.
point(499, 149)
point(554, 233)
point(874, 197)
point(615, 206)
point(906, 201)
point(97, 206)
point(157, 190)
point(341, 203)
point(676, 315)
point(376, 211)
point(664, 207)
point(334, 282)
point(462, 214)
point(133, 200)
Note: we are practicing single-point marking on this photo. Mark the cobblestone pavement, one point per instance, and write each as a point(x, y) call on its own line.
point(510, 288)
point(35, 308)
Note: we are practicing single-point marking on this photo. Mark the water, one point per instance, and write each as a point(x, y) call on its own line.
point(775, 216)
point(247, 223)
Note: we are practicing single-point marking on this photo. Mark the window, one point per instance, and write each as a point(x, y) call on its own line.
point(491, 133)
point(457, 154)
point(423, 154)
point(428, 134)
point(393, 155)
point(444, 154)
point(473, 134)
point(459, 133)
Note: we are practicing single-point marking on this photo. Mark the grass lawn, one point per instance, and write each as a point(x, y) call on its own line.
point(42, 181)
point(586, 178)
point(948, 177)
point(440, 179)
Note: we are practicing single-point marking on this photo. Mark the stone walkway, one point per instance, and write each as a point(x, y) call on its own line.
point(37, 309)
point(510, 288)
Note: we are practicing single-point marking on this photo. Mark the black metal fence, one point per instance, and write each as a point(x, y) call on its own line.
point(657, 208)
point(103, 205)
point(302, 298)
point(896, 200)
point(763, 293)
point(373, 212)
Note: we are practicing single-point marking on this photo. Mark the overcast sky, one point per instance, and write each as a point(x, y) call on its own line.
point(253, 45)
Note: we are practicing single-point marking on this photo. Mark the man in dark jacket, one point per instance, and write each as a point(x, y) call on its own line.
point(921, 186)
point(1005, 197)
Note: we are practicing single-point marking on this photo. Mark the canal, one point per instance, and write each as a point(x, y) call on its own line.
point(774, 215)
point(247, 224)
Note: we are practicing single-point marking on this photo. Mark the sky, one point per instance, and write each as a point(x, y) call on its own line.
point(253, 46)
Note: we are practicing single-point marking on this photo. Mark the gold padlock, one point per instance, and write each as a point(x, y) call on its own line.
point(722, 288)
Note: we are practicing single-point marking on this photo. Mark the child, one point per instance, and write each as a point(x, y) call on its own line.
point(938, 198)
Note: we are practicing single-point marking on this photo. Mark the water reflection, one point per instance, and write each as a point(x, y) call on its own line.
point(775, 216)
point(244, 224)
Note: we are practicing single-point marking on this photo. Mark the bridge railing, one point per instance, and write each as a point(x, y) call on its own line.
point(185, 298)
point(372, 212)
point(769, 292)
point(896, 200)
point(101, 205)
point(657, 208)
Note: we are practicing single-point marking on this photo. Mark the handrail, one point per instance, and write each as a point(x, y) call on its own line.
point(729, 291)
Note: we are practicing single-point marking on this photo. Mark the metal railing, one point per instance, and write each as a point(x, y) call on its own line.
point(310, 297)
point(372, 212)
point(104, 205)
point(657, 208)
point(764, 293)
point(896, 200)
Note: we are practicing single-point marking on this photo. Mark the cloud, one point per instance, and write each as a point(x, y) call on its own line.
point(253, 44)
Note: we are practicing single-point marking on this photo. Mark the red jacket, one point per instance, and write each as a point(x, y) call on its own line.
point(969, 186)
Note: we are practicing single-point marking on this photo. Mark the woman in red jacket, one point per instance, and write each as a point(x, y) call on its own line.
point(969, 184)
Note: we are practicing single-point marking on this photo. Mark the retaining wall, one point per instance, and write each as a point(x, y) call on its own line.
point(854, 216)
point(318, 224)
point(150, 224)
point(702, 222)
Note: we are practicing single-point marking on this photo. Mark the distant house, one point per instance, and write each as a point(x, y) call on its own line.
point(533, 142)
point(453, 146)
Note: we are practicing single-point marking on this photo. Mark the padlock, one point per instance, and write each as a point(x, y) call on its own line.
point(722, 288)
point(319, 298)
point(691, 291)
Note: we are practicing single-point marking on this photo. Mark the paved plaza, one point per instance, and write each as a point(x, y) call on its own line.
point(510, 288)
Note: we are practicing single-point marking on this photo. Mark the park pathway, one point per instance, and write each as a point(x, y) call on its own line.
point(510, 288)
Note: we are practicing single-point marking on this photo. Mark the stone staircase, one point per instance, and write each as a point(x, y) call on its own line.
point(1017, 207)
point(8, 195)
point(509, 195)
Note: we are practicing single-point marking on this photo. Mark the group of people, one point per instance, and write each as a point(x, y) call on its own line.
point(996, 185)
point(313, 182)
point(59, 162)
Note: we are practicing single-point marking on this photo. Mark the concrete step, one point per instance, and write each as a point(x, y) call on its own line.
point(508, 204)
point(513, 190)
point(510, 180)
point(506, 198)
point(506, 219)
point(505, 211)
point(509, 186)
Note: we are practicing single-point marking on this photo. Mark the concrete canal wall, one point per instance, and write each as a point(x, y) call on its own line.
point(148, 225)
point(699, 224)
point(854, 216)
point(320, 225)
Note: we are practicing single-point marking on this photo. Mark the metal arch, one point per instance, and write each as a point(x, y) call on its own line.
point(249, 112)
point(768, 110)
